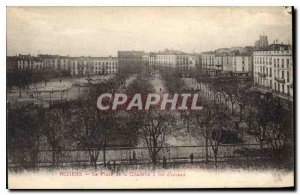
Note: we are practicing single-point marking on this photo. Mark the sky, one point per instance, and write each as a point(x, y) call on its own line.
point(102, 31)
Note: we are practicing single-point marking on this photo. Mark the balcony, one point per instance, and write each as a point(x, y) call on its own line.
point(267, 89)
point(280, 80)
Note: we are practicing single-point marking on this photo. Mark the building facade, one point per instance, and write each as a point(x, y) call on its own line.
point(175, 59)
point(105, 65)
point(195, 61)
point(227, 63)
point(130, 61)
point(208, 60)
point(235, 62)
point(242, 64)
point(81, 66)
point(152, 59)
point(29, 62)
point(273, 70)
point(146, 59)
point(218, 62)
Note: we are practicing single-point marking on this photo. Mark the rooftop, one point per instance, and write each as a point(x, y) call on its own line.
point(171, 52)
point(275, 47)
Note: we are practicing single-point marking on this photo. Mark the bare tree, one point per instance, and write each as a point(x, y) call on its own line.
point(54, 129)
point(218, 123)
point(156, 126)
point(91, 129)
point(23, 137)
point(230, 93)
point(200, 121)
point(129, 125)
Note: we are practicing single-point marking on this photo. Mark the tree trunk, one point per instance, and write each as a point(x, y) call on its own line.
point(20, 92)
point(92, 161)
point(53, 157)
point(154, 159)
point(104, 150)
point(206, 149)
point(95, 163)
point(216, 159)
point(104, 157)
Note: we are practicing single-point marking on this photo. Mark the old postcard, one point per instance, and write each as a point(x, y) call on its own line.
point(150, 97)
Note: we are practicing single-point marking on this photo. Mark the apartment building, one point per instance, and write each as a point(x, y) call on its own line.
point(29, 62)
point(218, 62)
point(105, 65)
point(208, 60)
point(227, 61)
point(146, 58)
point(152, 58)
point(80, 66)
point(195, 61)
point(273, 69)
point(242, 64)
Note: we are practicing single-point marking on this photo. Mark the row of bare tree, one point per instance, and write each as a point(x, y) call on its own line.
point(264, 117)
point(85, 127)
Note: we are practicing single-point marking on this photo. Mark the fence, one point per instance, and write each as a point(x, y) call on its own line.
point(121, 155)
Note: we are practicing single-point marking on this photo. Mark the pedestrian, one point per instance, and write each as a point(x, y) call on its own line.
point(192, 158)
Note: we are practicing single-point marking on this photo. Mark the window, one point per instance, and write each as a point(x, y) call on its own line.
point(287, 76)
point(287, 63)
point(282, 63)
point(282, 74)
point(275, 63)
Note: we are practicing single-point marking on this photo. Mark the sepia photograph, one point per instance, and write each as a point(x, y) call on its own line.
point(150, 97)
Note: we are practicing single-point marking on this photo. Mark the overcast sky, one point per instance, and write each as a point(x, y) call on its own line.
point(102, 31)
